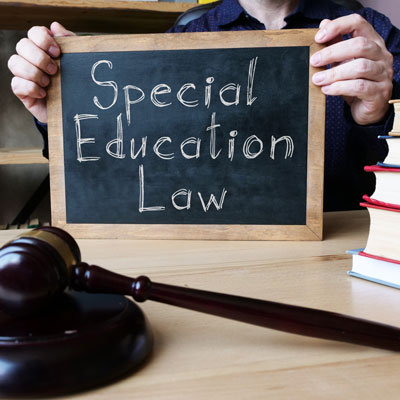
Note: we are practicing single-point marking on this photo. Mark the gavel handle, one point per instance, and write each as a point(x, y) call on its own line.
point(273, 315)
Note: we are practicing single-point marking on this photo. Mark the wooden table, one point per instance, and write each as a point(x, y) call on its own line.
point(204, 357)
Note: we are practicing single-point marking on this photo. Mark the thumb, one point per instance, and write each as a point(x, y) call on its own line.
point(58, 30)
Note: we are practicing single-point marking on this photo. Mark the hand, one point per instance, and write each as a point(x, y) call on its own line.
point(361, 67)
point(33, 66)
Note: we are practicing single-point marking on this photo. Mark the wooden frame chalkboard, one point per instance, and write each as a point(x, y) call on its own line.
point(226, 125)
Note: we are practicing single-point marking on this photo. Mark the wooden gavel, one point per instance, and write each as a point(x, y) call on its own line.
point(42, 263)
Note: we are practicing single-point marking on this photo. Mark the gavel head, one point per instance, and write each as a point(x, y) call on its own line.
point(35, 267)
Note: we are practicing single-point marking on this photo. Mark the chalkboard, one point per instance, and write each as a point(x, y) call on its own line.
point(206, 135)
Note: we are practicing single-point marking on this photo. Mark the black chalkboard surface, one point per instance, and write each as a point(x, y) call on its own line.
point(209, 142)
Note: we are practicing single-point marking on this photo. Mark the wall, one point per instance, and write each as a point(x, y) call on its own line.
point(390, 8)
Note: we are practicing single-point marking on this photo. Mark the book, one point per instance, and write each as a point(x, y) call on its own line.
point(396, 124)
point(384, 232)
point(380, 260)
point(387, 193)
point(375, 269)
point(392, 159)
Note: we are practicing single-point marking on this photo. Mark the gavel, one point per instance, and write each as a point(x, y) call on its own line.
point(42, 263)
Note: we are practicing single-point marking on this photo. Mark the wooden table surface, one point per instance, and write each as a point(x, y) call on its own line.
point(198, 356)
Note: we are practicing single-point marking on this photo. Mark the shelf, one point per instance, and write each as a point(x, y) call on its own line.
point(92, 15)
point(22, 156)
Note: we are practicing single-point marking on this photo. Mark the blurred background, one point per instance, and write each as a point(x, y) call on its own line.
point(18, 182)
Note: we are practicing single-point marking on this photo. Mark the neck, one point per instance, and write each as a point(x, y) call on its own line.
point(270, 12)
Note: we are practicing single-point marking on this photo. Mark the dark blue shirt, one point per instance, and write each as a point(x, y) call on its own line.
point(349, 146)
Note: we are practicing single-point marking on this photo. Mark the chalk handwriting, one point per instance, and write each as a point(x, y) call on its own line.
point(79, 141)
point(112, 84)
point(221, 142)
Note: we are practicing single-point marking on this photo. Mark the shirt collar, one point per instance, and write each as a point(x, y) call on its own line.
point(230, 10)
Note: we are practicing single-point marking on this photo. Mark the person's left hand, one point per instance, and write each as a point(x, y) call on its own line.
point(361, 67)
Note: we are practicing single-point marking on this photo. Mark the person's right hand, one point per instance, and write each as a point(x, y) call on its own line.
point(33, 66)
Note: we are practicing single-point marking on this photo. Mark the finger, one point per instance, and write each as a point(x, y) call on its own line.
point(58, 30)
point(356, 69)
point(43, 38)
point(37, 107)
point(23, 69)
point(23, 88)
point(362, 89)
point(324, 22)
point(34, 106)
point(359, 47)
point(36, 56)
point(368, 112)
point(353, 24)
point(321, 26)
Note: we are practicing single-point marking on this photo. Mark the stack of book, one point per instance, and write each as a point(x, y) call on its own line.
point(380, 260)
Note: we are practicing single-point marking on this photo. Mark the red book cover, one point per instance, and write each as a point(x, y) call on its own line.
point(362, 253)
point(380, 203)
point(378, 168)
point(379, 207)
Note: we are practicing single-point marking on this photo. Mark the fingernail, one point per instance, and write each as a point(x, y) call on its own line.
point(45, 80)
point(326, 89)
point(321, 34)
point(51, 68)
point(54, 51)
point(316, 59)
point(42, 93)
point(319, 77)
